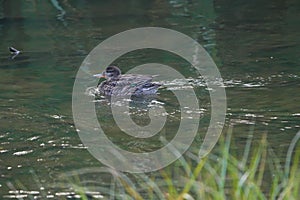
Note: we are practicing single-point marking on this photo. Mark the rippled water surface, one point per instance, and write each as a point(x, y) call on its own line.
point(255, 45)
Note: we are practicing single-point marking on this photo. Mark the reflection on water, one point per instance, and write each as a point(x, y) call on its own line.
point(255, 45)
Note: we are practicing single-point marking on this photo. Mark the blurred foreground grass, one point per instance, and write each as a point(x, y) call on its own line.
point(255, 173)
point(226, 175)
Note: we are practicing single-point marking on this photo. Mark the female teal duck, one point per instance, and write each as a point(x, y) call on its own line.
point(117, 84)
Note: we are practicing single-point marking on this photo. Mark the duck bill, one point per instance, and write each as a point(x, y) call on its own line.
point(99, 75)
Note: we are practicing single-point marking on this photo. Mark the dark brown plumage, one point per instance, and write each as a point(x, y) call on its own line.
point(125, 85)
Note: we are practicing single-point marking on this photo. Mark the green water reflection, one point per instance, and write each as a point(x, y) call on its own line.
point(255, 44)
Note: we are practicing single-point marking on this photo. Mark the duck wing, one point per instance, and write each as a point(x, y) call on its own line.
point(128, 84)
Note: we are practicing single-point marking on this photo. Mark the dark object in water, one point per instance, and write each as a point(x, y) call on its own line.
point(15, 52)
point(117, 84)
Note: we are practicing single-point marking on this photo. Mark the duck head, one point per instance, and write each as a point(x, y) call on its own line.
point(110, 73)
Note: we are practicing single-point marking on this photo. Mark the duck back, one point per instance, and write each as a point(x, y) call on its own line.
point(129, 84)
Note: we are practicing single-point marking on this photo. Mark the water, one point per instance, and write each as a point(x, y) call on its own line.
point(255, 45)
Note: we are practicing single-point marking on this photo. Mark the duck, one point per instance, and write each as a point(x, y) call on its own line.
point(118, 84)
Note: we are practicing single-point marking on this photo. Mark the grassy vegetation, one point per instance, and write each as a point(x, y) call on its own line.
point(255, 173)
point(225, 173)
